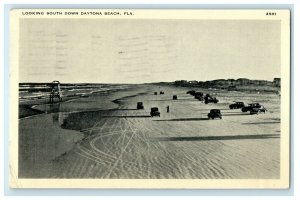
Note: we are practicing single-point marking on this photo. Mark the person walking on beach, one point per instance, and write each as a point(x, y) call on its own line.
point(168, 108)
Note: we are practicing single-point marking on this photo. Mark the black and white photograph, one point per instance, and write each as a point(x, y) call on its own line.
point(150, 98)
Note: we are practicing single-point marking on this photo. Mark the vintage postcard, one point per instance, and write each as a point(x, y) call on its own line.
point(137, 98)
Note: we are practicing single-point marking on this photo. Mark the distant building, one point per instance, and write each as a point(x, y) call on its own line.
point(193, 83)
point(260, 82)
point(228, 83)
point(243, 81)
point(184, 82)
point(181, 83)
point(222, 82)
point(269, 83)
point(231, 82)
point(200, 83)
point(209, 83)
point(177, 83)
point(276, 82)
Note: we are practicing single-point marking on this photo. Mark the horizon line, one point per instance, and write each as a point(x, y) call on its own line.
point(144, 82)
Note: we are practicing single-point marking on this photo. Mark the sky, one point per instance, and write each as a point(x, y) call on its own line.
point(146, 50)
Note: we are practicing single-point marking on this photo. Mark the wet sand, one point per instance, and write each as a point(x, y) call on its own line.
point(106, 137)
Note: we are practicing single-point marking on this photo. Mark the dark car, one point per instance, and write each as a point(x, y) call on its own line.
point(200, 98)
point(174, 97)
point(154, 112)
point(191, 92)
point(155, 93)
point(210, 99)
point(198, 95)
point(214, 113)
point(250, 107)
point(84, 96)
point(237, 105)
point(258, 110)
point(161, 92)
point(139, 105)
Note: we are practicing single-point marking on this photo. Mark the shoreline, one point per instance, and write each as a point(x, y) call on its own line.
point(28, 109)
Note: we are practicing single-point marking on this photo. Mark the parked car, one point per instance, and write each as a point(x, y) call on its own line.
point(258, 110)
point(200, 98)
point(250, 107)
point(161, 92)
point(154, 112)
point(139, 105)
point(191, 92)
point(210, 100)
point(155, 93)
point(84, 96)
point(198, 95)
point(214, 113)
point(237, 105)
point(174, 97)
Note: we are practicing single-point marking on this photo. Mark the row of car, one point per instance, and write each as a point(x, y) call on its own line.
point(213, 113)
point(154, 111)
point(201, 97)
point(161, 92)
point(254, 108)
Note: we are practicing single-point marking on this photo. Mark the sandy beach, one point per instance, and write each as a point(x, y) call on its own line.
point(105, 136)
